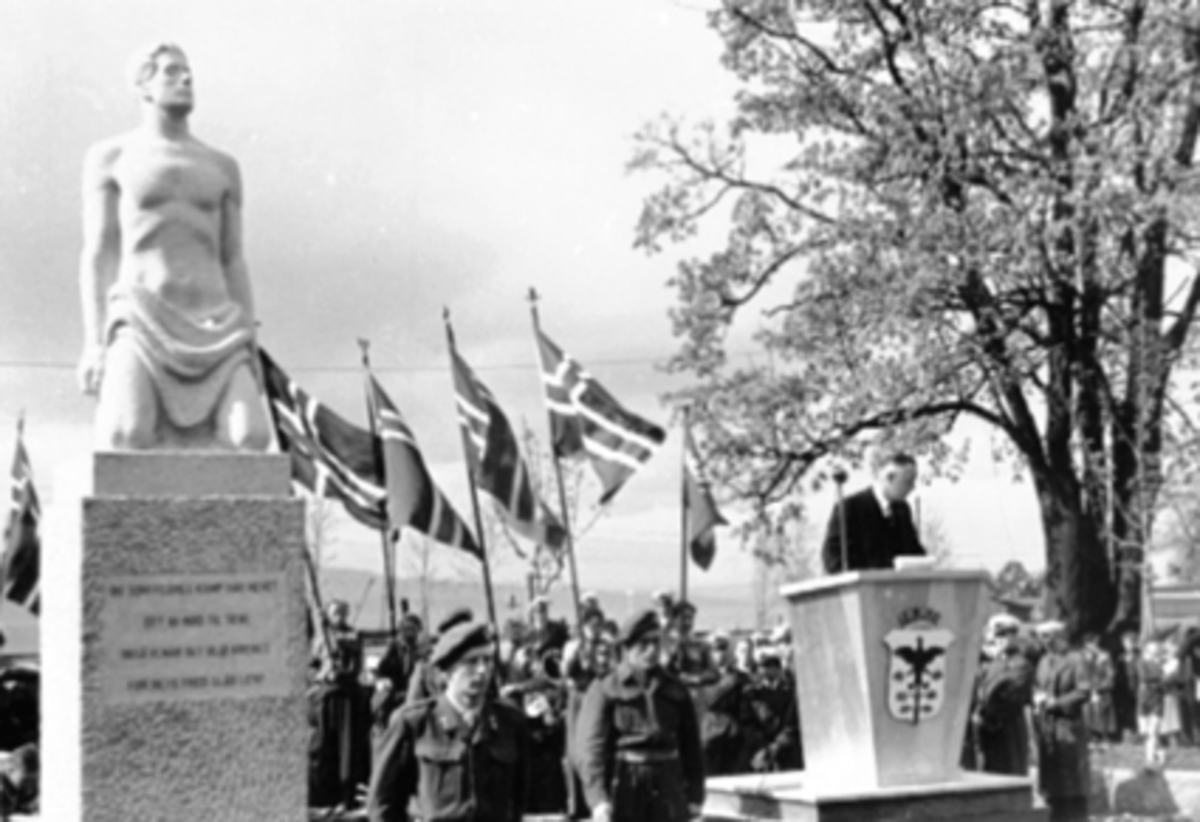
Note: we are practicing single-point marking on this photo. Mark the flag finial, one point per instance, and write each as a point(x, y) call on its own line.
point(533, 304)
point(449, 327)
point(365, 345)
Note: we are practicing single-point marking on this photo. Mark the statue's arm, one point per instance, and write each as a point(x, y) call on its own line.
point(237, 276)
point(100, 258)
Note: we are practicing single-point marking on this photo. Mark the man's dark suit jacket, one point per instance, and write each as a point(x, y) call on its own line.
point(872, 540)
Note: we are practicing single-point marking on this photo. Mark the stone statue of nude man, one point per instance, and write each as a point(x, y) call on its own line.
point(168, 312)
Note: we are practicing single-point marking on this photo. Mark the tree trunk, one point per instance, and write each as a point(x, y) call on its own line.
point(1078, 588)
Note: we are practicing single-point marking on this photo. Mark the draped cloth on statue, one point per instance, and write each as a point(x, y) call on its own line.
point(190, 356)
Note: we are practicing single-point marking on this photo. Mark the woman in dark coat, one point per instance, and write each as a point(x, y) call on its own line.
point(1005, 691)
point(1126, 683)
point(1100, 713)
point(540, 693)
point(340, 751)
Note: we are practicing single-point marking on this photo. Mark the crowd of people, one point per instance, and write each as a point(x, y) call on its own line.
point(734, 695)
point(1042, 701)
point(1039, 701)
point(550, 720)
point(20, 727)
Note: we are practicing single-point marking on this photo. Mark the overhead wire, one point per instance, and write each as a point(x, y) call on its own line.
point(394, 369)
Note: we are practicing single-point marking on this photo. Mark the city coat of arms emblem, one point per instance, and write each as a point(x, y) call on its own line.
point(917, 665)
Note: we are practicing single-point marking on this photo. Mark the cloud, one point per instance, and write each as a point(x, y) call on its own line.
point(398, 158)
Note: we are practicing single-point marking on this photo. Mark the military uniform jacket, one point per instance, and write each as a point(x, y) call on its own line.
point(623, 718)
point(455, 771)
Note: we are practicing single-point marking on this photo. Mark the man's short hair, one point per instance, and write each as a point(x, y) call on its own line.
point(144, 62)
point(885, 458)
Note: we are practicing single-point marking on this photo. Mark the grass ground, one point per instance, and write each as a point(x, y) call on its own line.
point(1133, 757)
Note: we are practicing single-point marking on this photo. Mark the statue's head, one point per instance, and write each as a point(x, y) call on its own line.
point(161, 76)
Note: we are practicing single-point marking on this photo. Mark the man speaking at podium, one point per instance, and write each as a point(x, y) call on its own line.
point(869, 529)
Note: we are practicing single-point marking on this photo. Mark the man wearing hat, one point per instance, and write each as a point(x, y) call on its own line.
point(1061, 689)
point(590, 601)
point(1004, 691)
point(394, 672)
point(340, 748)
point(424, 682)
point(774, 716)
point(638, 741)
point(687, 657)
point(664, 603)
point(463, 755)
point(543, 630)
point(725, 713)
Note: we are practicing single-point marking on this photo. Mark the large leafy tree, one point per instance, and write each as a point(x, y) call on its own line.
point(940, 210)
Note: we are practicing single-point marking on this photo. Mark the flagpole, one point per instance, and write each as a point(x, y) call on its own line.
point(483, 550)
point(389, 563)
point(683, 508)
point(558, 475)
point(322, 622)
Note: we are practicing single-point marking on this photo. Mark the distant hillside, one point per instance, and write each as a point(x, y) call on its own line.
point(723, 607)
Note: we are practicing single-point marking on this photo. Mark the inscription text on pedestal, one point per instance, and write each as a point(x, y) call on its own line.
point(193, 636)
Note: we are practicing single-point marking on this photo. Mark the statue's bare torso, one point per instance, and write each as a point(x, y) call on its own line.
point(170, 209)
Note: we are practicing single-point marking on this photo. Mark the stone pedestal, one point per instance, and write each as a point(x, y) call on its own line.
point(794, 796)
point(179, 653)
point(885, 663)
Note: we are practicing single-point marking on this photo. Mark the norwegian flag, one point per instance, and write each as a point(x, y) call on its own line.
point(329, 455)
point(22, 545)
point(496, 462)
point(586, 419)
point(413, 499)
point(701, 516)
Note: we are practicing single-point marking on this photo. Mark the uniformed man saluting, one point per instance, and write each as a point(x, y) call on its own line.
point(462, 754)
point(637, 736)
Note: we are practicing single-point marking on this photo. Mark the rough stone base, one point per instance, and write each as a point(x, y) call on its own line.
point(1146, 793)
point(785, 796)
point(223, 733)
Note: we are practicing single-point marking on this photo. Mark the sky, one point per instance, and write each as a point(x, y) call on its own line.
point(400, 159)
